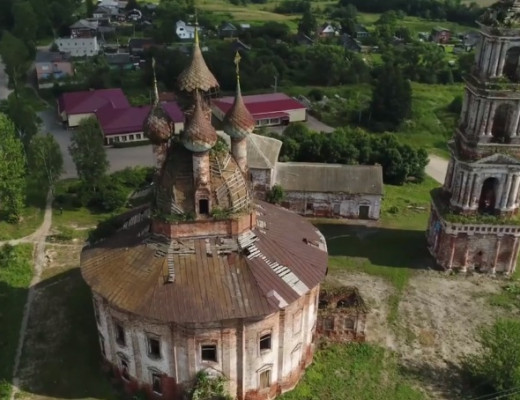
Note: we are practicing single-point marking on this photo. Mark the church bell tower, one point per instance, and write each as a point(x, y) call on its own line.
point(474, 223)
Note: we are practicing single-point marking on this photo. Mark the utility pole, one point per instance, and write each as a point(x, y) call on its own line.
point(275, 86)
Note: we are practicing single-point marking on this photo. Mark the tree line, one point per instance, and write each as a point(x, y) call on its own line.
point(400, 162)
point(450, 10)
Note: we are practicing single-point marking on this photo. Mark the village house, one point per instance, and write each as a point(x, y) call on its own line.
point(267, 109)
point(361, 32)
point(78, 46)
point(137, 46)
point(227, 30)
point(84, 28)
point(51, 66)
point(119, 121)
point(440, 35)
point(185, 31)
point(327, 30)
point(331, 190)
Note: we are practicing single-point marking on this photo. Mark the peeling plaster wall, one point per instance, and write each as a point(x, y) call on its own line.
point(239, 357)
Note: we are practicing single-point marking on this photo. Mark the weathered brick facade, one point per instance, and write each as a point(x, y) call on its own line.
point(473, 223)
point(239, 357)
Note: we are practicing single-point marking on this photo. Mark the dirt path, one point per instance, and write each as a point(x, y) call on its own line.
point(437, 323)
point(437, 167)
point(39, 237)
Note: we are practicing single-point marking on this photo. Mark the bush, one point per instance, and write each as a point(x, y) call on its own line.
point(315, 94)
point(275, 195)
point(104, 229)
point(497, 363)
point(133, 177)
point(456, 105)
point(109, 197)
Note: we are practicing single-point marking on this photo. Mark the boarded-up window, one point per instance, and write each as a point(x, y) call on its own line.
point(349, 323)
point(156, 383)
point(265, 379)
point(328, 324)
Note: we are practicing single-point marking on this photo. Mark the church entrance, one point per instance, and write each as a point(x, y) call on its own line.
point(488, 196)
point(364, 212)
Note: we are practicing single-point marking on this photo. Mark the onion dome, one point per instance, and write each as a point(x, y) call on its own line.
point(238, 122)
point(157, 125)
point(199, 135)
point(197, 75)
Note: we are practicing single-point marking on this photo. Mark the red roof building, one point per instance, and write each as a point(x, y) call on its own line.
point(119, 121)
point(267, 109)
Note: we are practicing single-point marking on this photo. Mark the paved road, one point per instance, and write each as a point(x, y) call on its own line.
point(437, 168)
point(118, 158)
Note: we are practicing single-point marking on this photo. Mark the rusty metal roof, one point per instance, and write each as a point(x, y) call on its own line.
point(216, 278)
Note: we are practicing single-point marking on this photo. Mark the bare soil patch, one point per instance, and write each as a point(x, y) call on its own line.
point(437, 323)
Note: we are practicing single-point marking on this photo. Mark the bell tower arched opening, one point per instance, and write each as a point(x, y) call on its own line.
point(500, 124)
point(511, 66)
point(488, 196)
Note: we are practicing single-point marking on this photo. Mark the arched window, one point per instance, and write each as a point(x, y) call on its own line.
point(500, 124)
point(511, 64)
point(488, 196)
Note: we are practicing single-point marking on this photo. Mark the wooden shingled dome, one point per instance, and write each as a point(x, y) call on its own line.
point(238, 122)
point(199, 135)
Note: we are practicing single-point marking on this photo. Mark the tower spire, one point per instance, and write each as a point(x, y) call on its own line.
point(196, 29)
point(155, 90)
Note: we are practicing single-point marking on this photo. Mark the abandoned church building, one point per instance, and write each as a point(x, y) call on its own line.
point(206, 278)
point(314, 189)
point(473, 223)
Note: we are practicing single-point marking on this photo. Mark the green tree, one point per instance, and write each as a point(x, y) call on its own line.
point(24, 117)
point(89, 4)
point(45, 159)
point(391, 97)
point(498, 363)
point(15, 56)
point(307, 24)
point(12, 171)
point(88, 153)
point(25, 22)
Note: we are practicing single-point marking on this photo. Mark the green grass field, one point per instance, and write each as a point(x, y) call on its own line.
point(354, 372)
point(31, 216)
point(15, 277)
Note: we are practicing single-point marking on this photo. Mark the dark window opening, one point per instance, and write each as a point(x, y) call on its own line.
point(364, 211)
point(265, 379)
point(309, 206)
point(488, 196)
point(322, 304)
point(499, 129)
point(102, 345)
point(208, 352)
point(120, 335)
point(96, 312)
point(265, 342)
point(124, 370)
point(203, 206)
point(511, 67)
point(154, 348)
point(157, 383)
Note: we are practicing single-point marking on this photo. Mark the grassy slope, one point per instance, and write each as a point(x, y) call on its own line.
point(14, 281)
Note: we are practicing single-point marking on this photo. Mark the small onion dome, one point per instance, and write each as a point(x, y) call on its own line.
point(157, 125)
point(199, 135)
point(197, 75)
point(238, 122)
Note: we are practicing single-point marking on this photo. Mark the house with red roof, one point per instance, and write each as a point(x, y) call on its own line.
point(119, 121)
point(267, 109)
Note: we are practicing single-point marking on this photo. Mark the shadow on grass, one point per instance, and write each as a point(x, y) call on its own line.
point(61, 356)
point(12, 301)
point(384, 247)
